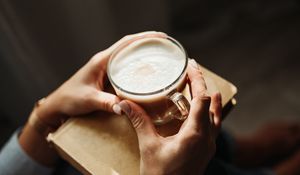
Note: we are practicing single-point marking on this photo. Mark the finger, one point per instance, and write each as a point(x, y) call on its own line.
point(198, 85)
point(139, 119)
point(216, 111)
point(198, 120)
point(107, 102)
point(200, 101)
point(98, 63)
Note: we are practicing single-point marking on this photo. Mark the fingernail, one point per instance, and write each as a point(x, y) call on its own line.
point(194, 64)
point(117, 109)
point(124, 107)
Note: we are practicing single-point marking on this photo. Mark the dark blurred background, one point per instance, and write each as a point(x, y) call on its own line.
point(253, 43)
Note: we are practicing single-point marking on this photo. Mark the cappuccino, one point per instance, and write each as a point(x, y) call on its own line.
point(148, 71)
point(147, 65)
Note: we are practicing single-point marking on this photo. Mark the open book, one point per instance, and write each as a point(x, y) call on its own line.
point(105, 143)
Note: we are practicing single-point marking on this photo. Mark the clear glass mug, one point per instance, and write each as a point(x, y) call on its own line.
point(164, 104)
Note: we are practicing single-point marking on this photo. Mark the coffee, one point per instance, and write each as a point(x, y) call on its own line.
point(146, 71)
point(148, 65)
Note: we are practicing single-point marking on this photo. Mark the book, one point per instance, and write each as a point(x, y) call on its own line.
point(106, 143)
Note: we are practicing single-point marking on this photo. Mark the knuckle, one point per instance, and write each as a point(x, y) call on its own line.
point(202, 100)
point(196, 74)
point(197, 99)
point(198, 71)
point(115, 99)
point(88, 97)
point(106, 106)
point(203, 83)
point(196, 139)
point(194, 136)
point(136, 119)
point(96, 57)
point(127, 37)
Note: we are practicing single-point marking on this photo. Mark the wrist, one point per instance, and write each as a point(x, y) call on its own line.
point(38, 121)
point(33, 136)
point(46, 111)
point(36, 146)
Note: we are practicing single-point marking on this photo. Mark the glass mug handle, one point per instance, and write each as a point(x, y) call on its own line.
point(181, 103)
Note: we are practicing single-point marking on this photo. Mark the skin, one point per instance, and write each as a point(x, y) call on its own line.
point(81, 94)
point(187, 152)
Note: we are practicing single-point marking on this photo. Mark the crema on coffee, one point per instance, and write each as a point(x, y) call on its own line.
point(147, 65)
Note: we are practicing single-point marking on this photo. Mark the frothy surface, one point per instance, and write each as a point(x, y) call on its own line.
point(147, 65)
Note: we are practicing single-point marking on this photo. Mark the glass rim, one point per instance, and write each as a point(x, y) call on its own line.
point(122, 46)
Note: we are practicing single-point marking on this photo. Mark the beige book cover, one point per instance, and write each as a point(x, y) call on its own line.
point(105, 143)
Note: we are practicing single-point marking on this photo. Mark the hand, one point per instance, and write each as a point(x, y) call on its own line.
point(188, 151)
point(81, 94)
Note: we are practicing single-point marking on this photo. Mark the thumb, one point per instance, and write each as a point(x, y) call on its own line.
point(139, 119)
point(106, 101)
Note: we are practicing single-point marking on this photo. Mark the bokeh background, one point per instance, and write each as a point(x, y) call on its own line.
point(253, 43)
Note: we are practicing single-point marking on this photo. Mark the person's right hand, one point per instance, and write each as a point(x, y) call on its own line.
point(190, 150)
point(82, 94)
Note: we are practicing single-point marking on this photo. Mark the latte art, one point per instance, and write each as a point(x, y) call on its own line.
point(147, 65)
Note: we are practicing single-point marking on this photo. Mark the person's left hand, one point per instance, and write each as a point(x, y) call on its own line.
point(188, 151)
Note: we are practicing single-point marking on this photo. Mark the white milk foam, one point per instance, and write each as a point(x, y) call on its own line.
point(147, 65)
